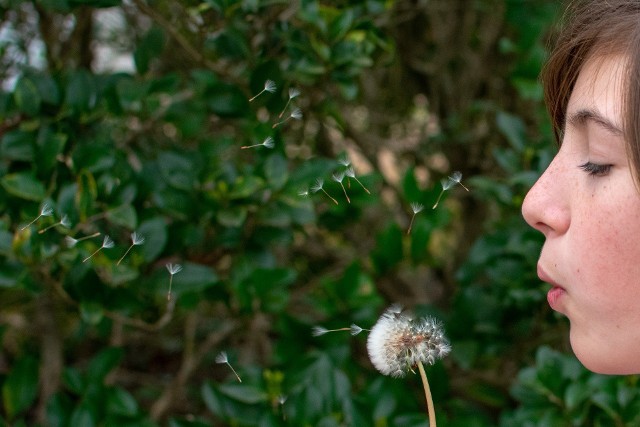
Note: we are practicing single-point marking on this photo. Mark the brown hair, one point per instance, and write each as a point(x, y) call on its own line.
point(596, 28)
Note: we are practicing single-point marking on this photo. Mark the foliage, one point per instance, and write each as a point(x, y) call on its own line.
point(92, 335)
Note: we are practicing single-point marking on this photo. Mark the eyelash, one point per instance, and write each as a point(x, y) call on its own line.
point(594, 169)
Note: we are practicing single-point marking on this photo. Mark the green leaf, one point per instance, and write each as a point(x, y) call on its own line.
point(124, 216)
point(276, 171)
point(86, 195)
point(17, 145)
point(121, 402)
point(84, 415)
point(91, 312)
point(27, 97)
point(80, 94)
point(103, 363)
point(194, 278)
point(24, 185)
point(243, 393)
point(227, 101)
point(49, 146)
point(154, 231)
point(149, 48)
point(232, 217)
point(20, 388)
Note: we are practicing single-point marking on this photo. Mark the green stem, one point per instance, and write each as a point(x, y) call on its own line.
point(427, 395)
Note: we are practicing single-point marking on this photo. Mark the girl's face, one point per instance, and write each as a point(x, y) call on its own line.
point(588, 208)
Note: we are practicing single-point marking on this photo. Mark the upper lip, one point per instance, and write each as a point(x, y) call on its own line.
point(542, 274)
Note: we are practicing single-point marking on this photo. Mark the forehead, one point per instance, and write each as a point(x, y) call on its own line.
point(600, 87)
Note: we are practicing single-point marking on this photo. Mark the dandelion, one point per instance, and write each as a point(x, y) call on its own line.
point(71, 242)
point(173, 269)
point(318, 187)
point(223, 359)
point(416, 208)
point(268, 142)
point(398, 343)
point(295, 114)
point(64, 221)
point(352, 174)
point(106, 244)
point(338, 177)
point(446, 184)
point(45, 210)
point(269, 86)
point(354, 329)
point(303, 192)
point(455, 178)
point(293, 92)
point(136, 240)
point(344, 161)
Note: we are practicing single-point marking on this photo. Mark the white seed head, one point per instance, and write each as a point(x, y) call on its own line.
point(316, 331)
point(318, 185)
point(293, 92)
point(281, 399)
point(222, 357)
point(304, 192)
point(173, 268)
point(64, 221)
point(456, 177)
point(338, 176)
point(447, 184)
point(355, 329)
point(344, 161)
point(70, 241)
point(268, 142)
point(416, 207)
point(107, 242)
point(270, 86)
point(296, 114)
point(137, 239)
point(46, 210)
point(397, 342)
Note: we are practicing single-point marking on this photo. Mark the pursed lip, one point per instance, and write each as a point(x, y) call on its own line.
point(556, 293)
point(542, 274)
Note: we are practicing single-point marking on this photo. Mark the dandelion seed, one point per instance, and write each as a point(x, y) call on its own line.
point(318, 187)
point(338, 177)
point(45, 210)
point(269, 86)
point(456, 178)
point(173, 269)
point(64, 222)
point(352, 174)
point(344, 161)
point(268, 142)
point(295, 114)
point(223, 359)
point(416, 208)
point(136, 240)
point(446, 185)
point(398, 343)
point(106, 244)
point(293, 92)
point(354, 329)
point(71, 242)
point(304, 192)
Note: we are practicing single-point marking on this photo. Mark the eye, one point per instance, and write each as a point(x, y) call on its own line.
point(594, 169)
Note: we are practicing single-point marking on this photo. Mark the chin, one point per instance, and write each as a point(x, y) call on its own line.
point(603, 363)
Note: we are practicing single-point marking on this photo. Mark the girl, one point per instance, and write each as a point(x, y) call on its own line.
point(587, 202)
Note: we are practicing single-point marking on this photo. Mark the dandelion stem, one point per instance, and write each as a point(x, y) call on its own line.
point(49, 228)
point(438, 200)
point(411, 224)
point(325, 192)
point(97, 250)
point(234, 371)
point(427, 394)
point(362, 185)
point(125, 254)
point(170, 284)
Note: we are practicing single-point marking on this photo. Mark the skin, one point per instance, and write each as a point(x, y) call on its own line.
point(590, 217)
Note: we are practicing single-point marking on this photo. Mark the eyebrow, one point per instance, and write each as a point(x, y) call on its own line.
point(581, 117)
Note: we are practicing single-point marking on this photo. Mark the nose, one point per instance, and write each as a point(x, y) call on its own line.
point(546, 206)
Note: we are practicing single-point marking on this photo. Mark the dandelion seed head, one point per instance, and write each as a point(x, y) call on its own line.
point(270, 86)
point(316, 331)
point(173, 268)
point(447, 184)
point(296, 114)
point(64, 221)
point(318, 185)
point(107, 242)
point(293, 92)
point(137, 239)
point(46, 210)
point(397, 342)
point(355, 329)
point(304, 192)
point(268, 142)
point(338, 176)
point(70, 241)
point(281, 399)
point(222, 357)
point(416, 207)
point(344, 161)
point(456, 177)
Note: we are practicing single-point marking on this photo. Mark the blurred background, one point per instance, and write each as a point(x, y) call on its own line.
point(122, 117)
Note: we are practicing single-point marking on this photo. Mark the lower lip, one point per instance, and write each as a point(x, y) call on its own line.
point(554, 295)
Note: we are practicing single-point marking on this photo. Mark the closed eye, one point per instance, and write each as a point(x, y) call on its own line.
point(595, 169)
